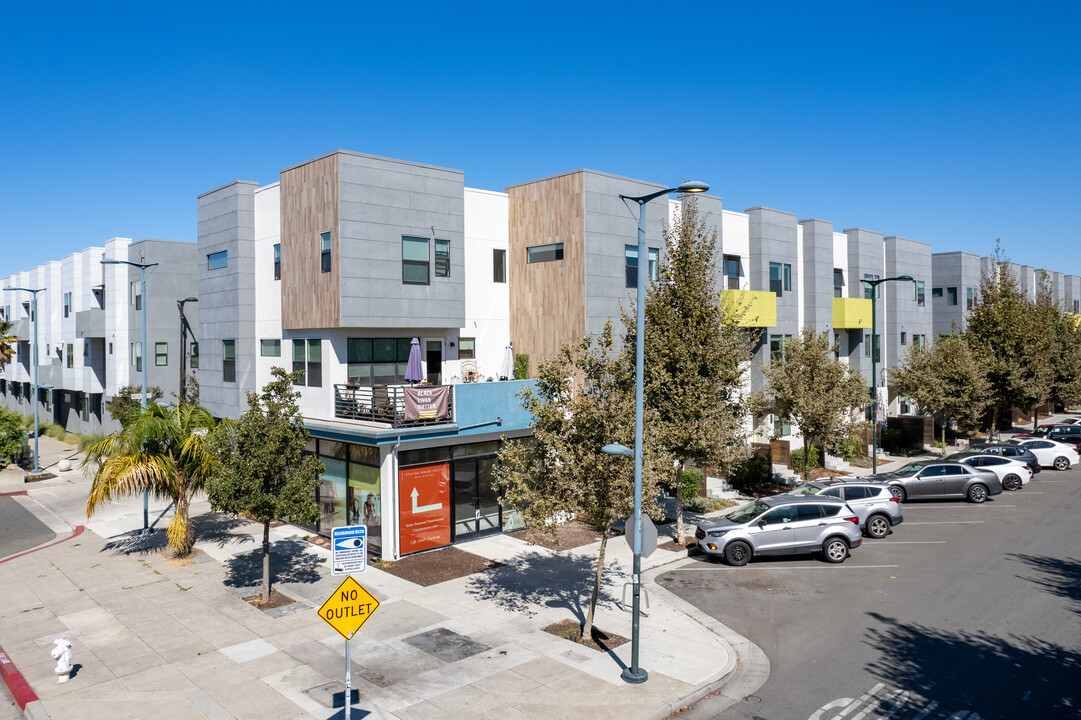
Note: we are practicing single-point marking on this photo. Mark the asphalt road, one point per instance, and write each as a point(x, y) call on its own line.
point(964, 612)
point(19, 529)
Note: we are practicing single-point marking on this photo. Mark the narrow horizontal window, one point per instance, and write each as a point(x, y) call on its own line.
point(544, 253)
point(218, 260)
point(270, 348)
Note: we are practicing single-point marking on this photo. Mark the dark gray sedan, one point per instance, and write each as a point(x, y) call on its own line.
point(941, 479)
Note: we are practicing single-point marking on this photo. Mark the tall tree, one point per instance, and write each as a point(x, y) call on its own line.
point(7, 342)
point(583, 400)
point(695, 354)
point(164, 451)
point(823, 396)
point(945, 380)
point(262, 470)
point(1000, 335)
point(1066, 359)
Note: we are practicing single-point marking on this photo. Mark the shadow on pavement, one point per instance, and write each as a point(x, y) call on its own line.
point(1061, 577)
point(555, 581)
point(218, 528)
point(995, 677)
point(290, 562)
point(135, 543)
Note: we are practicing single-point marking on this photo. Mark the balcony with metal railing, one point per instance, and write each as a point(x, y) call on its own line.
point(386, 404)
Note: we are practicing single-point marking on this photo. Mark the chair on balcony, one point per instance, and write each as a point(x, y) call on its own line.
point(469, 371)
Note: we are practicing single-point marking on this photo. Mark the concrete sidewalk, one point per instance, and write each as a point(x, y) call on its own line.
point(158, 638)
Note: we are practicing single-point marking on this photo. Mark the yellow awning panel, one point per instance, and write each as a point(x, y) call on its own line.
point(851, 313)
point(759, 307)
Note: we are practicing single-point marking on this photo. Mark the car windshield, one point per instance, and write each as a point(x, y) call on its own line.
point(747, 512)
point(909, 470)
point(1041, 431)
point(807, 489)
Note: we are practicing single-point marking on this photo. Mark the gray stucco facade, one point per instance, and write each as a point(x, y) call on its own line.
point(818, 274)
point(907, 315)
point(955, 278)
point(866, 258)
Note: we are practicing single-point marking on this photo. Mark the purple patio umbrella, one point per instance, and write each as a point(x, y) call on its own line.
point(413, 371)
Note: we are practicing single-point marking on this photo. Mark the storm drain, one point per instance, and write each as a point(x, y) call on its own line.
point(446, 645)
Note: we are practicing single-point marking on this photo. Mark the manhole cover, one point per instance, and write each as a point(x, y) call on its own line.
point(753, 699)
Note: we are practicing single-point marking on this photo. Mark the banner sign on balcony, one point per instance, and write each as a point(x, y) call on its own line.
point(426, 403)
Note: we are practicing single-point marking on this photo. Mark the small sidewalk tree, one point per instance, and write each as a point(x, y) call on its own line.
point(809, 386)
point(583, 401)
point(262, 471)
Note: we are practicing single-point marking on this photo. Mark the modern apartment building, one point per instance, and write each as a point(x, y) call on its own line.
point(89, 330)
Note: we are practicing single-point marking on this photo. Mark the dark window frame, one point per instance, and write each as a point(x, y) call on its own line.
point(442, 258)
point(325, 243)
point(228, 361)
point(499, 265)
point(277, 261)
point(414, 264)
point(549, 252)
point(161, 357)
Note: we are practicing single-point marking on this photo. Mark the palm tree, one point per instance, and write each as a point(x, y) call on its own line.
point(7, 349)
point(164, 451)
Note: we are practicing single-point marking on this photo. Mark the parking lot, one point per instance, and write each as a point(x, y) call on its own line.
point(965, 611)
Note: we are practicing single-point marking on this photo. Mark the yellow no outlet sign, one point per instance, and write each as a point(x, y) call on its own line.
point(348, 608)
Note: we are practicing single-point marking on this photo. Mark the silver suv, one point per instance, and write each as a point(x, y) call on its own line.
point(878, 509)
point(782, 525)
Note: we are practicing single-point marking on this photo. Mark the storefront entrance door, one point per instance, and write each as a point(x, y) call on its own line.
point(476, 506)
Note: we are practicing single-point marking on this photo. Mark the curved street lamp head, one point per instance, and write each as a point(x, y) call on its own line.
point(906, 277)
point(692, 187)
point(617, 449)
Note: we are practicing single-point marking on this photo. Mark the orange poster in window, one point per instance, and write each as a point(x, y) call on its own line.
point(424, 507)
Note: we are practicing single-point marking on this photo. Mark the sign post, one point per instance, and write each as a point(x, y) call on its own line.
point(346, 610)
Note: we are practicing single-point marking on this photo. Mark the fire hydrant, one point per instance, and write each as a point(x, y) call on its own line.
point(61, 653)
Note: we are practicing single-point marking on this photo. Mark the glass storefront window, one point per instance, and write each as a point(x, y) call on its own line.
point(422, 457)
point(365, 501)
point(333, 495)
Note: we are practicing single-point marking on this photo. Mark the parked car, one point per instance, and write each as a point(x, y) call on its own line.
point(782, 525)
point(1059, 432)
point(1049, 452)
point(874, 504)
point(1014, 452)
point(1013, 474)
point(1040, 430)
point(942, 479)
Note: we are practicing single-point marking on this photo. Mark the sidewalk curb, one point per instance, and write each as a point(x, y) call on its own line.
point(745, 659)
point(20, 689)
point(76, 532)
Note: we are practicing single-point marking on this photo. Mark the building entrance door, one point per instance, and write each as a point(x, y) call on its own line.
point(433, 356)
point(475, 503)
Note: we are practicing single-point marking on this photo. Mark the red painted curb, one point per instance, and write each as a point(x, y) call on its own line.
point(17, 492)
point(78, 531)
point(15, 681)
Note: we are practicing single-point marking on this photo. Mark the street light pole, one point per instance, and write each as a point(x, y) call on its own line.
point(635, 674)
point(142, 294)
point(183, 339)
point(34, 361)
point(873, 284)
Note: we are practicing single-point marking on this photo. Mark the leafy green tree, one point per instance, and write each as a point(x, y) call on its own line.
point(817, 392)
point(11, 438)
point(945, 380)
point(164, 451)
point(582, 401)
point(262, 471)
point(7, 343)
point(695, 354)
point(1000, 333)
point(123, 408)
point(1066, 360)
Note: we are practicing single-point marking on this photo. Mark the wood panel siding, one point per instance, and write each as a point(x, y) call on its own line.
point(547, 300)
point(309, 207)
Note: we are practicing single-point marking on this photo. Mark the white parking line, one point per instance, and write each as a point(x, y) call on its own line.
point(945, 522)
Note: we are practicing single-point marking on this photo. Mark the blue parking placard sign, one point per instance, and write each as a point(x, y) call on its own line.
point(348, 549)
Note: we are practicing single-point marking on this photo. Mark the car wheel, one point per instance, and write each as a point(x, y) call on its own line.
point(835, 550)
point(1062, 463)
point(1011, 482)
point(737, 553)
point(878, 526)
point(898, 492)
point(977, 493)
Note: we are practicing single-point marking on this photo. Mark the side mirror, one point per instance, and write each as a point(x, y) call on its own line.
point(761, 524)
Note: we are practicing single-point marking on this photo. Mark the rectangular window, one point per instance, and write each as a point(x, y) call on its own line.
point(787, 277)
point(110, 348)
point(86, 349)
point(868, 289)
point(630, 253)
point(161, 354)
point(970, 298)
point(193, 356)
point(467, 348)
point(67, 304)
point(324, 252)
point(654, 259)
point(776, 345)
point(936, 292)
point(137, 356)
point(951, 296)
point(731, 272)
point(228, 360)
point(218, 260)
point(776, 283)
point(308, 358)
point(919, 341)
point(69, 355)
point(137, 295)
point(277, 261)
point(84, 408)
point(921, 293)
point(499, 266)
point(414, 261)
point(378, 361)
point(838, 283)
point(442, 258)
point(1077, 306)
point(544, 253)
point(270, 348)
point(904, 338)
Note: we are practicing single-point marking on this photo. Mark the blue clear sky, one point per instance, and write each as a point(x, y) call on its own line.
point(953, 123)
